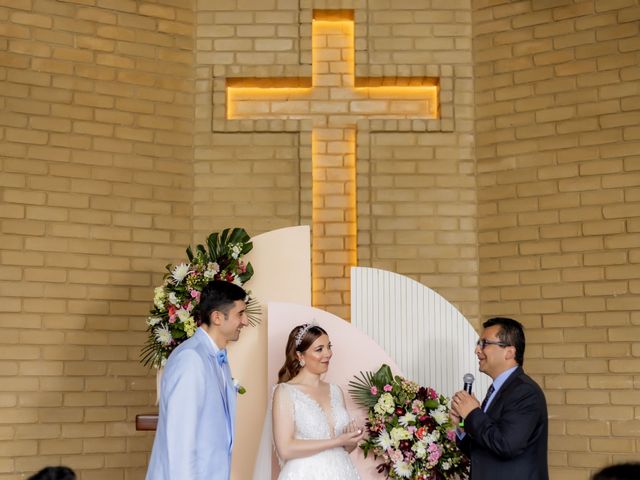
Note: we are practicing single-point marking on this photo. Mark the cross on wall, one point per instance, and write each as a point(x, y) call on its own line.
point(333, 100)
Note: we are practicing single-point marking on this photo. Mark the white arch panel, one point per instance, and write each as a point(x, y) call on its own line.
point(430, 340)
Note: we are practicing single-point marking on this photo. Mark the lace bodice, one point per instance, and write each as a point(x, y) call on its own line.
point(313, 423)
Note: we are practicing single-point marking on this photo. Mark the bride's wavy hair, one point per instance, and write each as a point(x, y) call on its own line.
point(292, 366)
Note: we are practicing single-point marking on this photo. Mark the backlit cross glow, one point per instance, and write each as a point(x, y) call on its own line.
point(334, 100)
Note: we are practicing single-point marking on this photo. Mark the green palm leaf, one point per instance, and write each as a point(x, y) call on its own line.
point(360, 390)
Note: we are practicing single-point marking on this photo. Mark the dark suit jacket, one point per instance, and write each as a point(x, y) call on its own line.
point(509, 441)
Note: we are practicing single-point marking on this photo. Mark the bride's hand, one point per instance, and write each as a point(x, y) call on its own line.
point(352, 426)
point(352, 435)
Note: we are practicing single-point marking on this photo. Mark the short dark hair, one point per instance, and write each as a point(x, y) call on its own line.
point(622, 471)
point(218, 295)
point(54, 473)
point(511, 332)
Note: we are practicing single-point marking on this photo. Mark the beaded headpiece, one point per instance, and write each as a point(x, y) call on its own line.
point(303, 331)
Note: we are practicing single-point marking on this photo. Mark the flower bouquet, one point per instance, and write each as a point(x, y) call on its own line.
point(409, 428)
point(171, 320)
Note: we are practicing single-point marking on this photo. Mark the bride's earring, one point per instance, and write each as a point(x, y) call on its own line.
point(301, 362)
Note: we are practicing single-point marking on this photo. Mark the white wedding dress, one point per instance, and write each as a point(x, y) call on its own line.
point(311, 423)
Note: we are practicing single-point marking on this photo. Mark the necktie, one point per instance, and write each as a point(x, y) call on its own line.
point(487, 397)
point(221, 357)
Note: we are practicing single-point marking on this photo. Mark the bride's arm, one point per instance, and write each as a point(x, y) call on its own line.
point(351, 428)
point(289, 447)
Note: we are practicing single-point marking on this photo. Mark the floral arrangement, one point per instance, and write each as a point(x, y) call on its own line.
point(171, 319)
point(408, 428)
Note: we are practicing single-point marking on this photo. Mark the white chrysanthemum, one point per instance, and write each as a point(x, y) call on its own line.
point(237, 281)
point(402, 469)
point(173, 299)
point(236, 249)
point(440, 415)
point(383, 440)
point(446, 465)
point(159, 297)
point(209, 274)
point(190, 327)
point(153, 321)
point(180, 271)
point(183, 315)
point(163, 335)
point(432, 437)
point(406, 419)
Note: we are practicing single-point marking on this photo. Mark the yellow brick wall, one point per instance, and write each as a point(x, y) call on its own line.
point(96, 122)
point(418, 220)
point(557, 114)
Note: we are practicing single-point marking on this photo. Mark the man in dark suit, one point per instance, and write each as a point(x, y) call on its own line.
point(506, 436)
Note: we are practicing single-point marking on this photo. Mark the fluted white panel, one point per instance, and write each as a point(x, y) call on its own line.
point(430, 340)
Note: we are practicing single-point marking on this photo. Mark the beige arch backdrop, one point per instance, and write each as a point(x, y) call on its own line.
point(353, 352)
point(395, 320)
point(282, 264)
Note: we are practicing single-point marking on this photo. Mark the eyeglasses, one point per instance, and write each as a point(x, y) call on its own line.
point(482, 343)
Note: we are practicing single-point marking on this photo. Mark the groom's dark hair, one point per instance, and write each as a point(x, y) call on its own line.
point(218, 295)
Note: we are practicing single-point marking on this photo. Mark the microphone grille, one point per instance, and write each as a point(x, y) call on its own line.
point(468, 378)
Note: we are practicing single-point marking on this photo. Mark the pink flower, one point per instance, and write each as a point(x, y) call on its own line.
point(434, 453)
point(374, 390)
point(395, 455)
point(387, 388)
point(451, 435)
point(242, 267)
point(195, 294)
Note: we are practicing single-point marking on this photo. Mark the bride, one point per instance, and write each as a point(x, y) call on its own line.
point(312, 432)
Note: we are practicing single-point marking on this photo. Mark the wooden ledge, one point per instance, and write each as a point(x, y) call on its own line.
point(147, 422)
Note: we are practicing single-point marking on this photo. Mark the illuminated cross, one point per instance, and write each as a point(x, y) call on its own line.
point(334, 99)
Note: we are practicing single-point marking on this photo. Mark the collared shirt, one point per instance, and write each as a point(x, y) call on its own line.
point(216, 350)
point(215, 347)
point(497, 384)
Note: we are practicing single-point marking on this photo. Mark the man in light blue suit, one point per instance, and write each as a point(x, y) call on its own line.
point(194, 438)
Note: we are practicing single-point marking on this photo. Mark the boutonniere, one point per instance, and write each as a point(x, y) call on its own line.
point(239, 388)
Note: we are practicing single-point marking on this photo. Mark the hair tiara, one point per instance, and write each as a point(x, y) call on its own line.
point(303, 331)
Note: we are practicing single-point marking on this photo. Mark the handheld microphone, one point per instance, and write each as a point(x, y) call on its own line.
point(468, 382)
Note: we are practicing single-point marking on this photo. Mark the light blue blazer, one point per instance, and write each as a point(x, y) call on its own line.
point(194, 437)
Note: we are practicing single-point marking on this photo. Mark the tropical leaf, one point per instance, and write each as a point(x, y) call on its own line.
point(226, 249)
point(151, 353)
point(360, 390)
point(254, 312)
